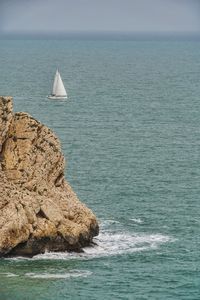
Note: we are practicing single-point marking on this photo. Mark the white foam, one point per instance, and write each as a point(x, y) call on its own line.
point(111, 242)
point(8, 274)
point(137, 220)
point(73, 273)
point(56, 256)
point(108, 223)
point(121, 243)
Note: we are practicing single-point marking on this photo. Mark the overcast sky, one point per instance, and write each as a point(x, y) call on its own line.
point(100, 15)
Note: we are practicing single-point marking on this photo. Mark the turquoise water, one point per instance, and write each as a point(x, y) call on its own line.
point(130, 132)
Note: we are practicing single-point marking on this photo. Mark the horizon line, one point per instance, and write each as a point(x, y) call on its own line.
point(101, 34)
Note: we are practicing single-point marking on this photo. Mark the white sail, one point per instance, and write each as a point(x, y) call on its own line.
point(55, 83)
point(58, 90)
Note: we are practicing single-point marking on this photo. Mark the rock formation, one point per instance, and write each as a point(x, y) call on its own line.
point(38, 209)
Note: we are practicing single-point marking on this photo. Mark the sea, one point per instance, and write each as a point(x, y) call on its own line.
point(130, 134)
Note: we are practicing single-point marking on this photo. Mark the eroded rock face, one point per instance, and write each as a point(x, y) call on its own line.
point(5, 117)
point(38, 209)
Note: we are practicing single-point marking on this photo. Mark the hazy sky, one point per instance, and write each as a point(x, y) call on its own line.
point(100, 15)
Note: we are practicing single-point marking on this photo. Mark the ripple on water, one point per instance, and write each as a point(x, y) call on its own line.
point(137, 220)
point(47, 275)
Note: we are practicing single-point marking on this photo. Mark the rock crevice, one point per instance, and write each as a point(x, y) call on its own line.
point(39, 210)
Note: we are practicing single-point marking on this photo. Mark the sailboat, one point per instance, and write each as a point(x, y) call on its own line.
point(58, 91)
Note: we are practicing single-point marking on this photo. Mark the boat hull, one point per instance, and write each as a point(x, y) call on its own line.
point(56, 97)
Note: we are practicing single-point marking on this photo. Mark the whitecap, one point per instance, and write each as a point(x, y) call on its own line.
point(109, 244)
point(8, 274)
point(137, 220)
point(46, 275)
point(108, 223)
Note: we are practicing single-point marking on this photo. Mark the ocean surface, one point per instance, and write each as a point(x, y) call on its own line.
point(130, 133)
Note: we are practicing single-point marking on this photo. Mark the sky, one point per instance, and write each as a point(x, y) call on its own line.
point(160, 16)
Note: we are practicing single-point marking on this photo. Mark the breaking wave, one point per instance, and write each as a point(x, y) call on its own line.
point(111, 242)
point(46, 275)
point(137, 220)
point(73, 273)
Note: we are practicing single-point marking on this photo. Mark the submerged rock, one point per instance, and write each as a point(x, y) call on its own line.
point(39, 210)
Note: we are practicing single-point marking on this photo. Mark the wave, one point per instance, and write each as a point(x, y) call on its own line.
point(8, 274)
point(137, 220)
point(109, 243)
point(73, 273)
point(122, 243)
point(46, 275)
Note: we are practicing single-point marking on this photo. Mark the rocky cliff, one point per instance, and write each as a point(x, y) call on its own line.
point(38, 209)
